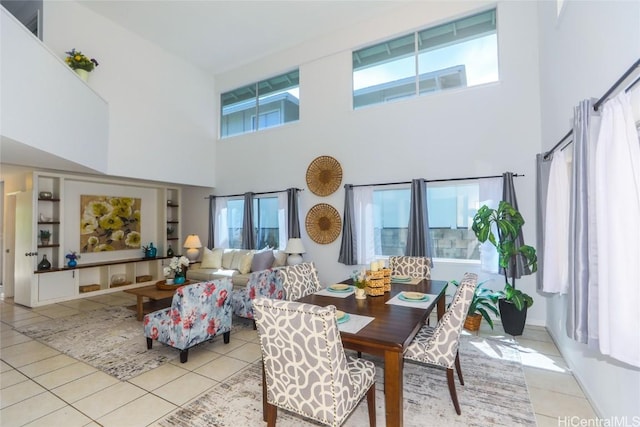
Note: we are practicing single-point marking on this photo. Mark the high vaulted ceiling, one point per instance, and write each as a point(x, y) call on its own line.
point(222, 35)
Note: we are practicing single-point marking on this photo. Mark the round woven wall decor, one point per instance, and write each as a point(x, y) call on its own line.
point(324, 175)
point(323, 223)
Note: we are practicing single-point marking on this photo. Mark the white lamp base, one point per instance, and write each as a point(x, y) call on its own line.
point(294, 259)
point(192, 254)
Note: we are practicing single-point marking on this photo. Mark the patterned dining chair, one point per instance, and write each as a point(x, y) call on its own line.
point(306, 369)
point(438, 346)
point(300, 280)
point(414, 266)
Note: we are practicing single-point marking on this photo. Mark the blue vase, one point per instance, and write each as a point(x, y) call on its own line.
point(179, 279)
point(72, 263)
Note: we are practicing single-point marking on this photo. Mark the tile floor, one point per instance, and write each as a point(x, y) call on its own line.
point(39, 386)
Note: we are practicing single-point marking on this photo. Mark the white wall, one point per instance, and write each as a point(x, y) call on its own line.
point(471, 132)
point(162, 109)
point(583, 52)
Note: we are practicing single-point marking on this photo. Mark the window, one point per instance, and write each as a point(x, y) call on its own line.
point(265, 221)
point(451, 209)
point(273, 102)
point(461, 53)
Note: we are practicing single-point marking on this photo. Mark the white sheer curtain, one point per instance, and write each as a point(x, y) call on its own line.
point(617, 177)
point(363, 212)
point(490, 191)
point(283, 220)
point(221, 235)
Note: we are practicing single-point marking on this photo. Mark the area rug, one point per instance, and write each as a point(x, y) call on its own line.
point(495, 394)
point(109, 339)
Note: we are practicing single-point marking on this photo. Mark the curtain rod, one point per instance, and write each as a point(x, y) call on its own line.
point(433, 180)
point(255, 194)
point(599, 102)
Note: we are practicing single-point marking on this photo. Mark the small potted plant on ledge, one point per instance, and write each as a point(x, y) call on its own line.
point(513, 303)
point(45, 235)
point(80, 63)
point(359, 279)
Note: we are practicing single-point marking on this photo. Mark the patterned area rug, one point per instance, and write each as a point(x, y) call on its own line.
point(495, 394)
point(109, 339)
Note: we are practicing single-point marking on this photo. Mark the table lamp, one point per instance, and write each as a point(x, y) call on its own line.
point(192, 245)
point(295, 249)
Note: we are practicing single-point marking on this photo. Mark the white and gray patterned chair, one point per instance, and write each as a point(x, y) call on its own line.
point(305, 366)
point(300, 280)
point(439, 346)
point(414, 266)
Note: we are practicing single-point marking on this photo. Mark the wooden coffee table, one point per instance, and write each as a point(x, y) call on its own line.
point(153, 294)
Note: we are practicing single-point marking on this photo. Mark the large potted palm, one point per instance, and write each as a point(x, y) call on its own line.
point(508, 222)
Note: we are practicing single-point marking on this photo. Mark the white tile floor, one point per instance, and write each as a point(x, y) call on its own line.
point(39, 386)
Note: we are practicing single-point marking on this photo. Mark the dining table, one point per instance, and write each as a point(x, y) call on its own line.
point(387, 335)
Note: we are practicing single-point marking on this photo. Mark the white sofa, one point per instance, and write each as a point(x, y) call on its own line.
point(238, 264)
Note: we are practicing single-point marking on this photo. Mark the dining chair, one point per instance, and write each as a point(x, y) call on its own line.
point(438, 346)
point(305, 367)
point(300, 280)
point(414, 266)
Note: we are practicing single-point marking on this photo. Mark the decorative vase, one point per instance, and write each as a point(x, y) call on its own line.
point(72, 263)
point(84, 74)
point(360, 293)
point(179, 278)
point(169, 281)
point(44, 264)
point(169, 251)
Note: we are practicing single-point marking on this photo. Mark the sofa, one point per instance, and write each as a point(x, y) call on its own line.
point(237, 264)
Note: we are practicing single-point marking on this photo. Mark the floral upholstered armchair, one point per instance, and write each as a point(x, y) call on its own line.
point(198, 313)
point(266, 283)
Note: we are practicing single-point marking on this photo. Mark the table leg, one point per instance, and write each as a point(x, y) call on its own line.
point(393, 386)
point(139, 306)
point(440, 306)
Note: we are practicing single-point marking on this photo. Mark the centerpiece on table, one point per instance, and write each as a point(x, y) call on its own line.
point(359, 279)
point(176, 268)
point(73, 258)
point(80, 63)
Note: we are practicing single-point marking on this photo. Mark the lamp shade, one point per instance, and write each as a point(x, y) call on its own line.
point(294, 246)
point(295, 249)
point(192, 244)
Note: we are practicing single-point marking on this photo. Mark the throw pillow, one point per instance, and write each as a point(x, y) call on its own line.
point(262, 260)
point(280, 259)
point(244, 265)
point(227, 258)
point(211, 258)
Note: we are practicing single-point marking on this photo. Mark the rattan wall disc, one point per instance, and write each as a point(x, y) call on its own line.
point(323, 223)
point(324, 175)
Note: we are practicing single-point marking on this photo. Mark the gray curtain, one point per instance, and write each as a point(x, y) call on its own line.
point(348, 249)
point(212, 222)
point(542, 183)
point(418, 240)
point(582, 279)
point(509, 195)
point(293, 224)
point(248, 230)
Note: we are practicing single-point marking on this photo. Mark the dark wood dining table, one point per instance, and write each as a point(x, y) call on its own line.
point(388, 334)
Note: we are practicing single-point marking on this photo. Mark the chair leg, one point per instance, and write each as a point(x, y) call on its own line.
point(452, 390)
point(458, 369)
point(359, 354)
point(254, 326)
point(184, 355)
point(226, 337)
point(371, 404)
point(149, 343)
point(272, 413)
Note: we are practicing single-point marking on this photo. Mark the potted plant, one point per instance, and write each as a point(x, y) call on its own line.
point(482, 303)
point(45, 235)
point(80, 63)
point(508, 222)
point(359, 279)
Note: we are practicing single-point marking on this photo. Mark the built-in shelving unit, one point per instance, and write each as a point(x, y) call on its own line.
point(173, 219)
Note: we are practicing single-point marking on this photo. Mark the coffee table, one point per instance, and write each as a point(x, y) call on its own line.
point(391, 331)
point(153, 294)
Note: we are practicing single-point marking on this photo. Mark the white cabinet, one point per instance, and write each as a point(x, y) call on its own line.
point(57, 285)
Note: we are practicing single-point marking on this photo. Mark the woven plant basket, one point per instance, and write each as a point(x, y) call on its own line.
point(375, 287)
point(472, 322)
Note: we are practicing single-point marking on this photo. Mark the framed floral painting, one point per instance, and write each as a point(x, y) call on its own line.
point(109, 223)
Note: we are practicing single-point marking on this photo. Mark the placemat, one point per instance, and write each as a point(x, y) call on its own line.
point(327, 293)
point(355, 323)
point(418, 304)
point(413, 281)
